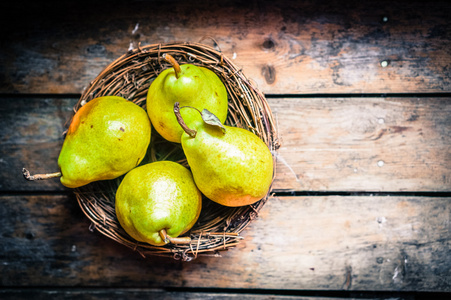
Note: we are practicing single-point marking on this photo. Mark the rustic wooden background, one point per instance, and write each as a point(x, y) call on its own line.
point(362, 97)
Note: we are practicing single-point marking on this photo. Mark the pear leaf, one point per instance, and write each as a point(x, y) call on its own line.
point(211, 119)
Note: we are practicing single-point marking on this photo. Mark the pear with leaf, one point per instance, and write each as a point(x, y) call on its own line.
point(187, 84)
point(107, 137)
point(231, 166)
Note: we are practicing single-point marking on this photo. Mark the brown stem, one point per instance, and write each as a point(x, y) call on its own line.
point(27, 175)
point(189, 131)
point(177, 240)
point(174, 64)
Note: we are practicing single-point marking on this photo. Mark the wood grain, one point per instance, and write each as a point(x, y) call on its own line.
point(364, 144)
point(285, 47)
point(300, 243)
point(328, 144)
point(157, 294)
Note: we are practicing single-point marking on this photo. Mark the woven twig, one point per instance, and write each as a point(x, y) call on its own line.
point(130, 76)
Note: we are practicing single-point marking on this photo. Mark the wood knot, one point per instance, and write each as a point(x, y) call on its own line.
point(269, 73)
point(268, 44)
point(96, 50)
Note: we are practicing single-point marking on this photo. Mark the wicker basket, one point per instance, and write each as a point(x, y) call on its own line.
point(130, 76)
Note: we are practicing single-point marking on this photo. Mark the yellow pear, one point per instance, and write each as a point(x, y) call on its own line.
point(187, 84)
point(107, 137)
point(230, 165)
point(157, 202)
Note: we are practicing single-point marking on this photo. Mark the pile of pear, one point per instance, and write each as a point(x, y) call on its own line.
point(157, 202)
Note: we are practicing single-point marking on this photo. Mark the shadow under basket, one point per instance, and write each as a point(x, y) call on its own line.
point(218, 227)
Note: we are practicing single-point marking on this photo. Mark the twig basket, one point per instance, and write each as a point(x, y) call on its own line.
point(130, 76)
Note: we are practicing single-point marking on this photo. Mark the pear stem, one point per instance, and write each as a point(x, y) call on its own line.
point(177, 240)
point(30, 177)
point(191, 132)
point(174, 64)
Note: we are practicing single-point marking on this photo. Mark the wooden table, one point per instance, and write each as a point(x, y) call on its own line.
point(362, 97)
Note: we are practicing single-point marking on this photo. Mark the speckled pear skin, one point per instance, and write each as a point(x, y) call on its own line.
point(197, 86)
point(159, 195)
point(108, 136)
point(234, 168)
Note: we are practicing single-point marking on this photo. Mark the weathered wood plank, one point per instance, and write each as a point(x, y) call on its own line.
point(286, 47)
point(328, 144)
point(366, 144)
point(296, 243)
point(155, 294)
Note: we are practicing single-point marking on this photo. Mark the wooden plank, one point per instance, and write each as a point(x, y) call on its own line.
point(328, 144)
point(364, 144)
point(297, 243)
point(155, 294)
point(285, 47)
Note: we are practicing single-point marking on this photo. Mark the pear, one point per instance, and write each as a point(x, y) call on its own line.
point(230, 165)
point(189, 85)
point(157, 202)
point(107, 137)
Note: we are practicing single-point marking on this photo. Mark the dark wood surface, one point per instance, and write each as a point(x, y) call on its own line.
point(362, 97)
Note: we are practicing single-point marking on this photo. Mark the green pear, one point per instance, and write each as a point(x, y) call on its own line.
point(157, 202)
point(230, 165)
point(107, 137)
point(189, 85)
